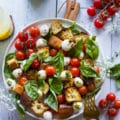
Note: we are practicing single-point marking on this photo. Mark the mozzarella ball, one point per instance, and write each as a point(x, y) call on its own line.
point(41, 74)
point(22, 64)
point(65, 75)
point(66, 46)
point(66, 61)
point(78, 82)
point(81, 55)
point(41, 42)
point(44, 29)
point(47, 115)
point(17, 72)
point(10, 83)
point(40, 93)
point(78, 106)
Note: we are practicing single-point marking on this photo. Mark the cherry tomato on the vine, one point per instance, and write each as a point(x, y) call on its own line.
point(103, 103)
point(110, 97)
point(105, 15)
point(31, 43)
point(91, 11)
point(112, 112)
point(20, 55)
point(117, 104)
point(19, 45)
point(23, 36)
point(98, 4)
point(112, 9)
point(34, 31)
point(99, 23)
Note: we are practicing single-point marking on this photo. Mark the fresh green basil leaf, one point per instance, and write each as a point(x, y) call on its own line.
point(31, 88)
point(41, 83)
point(117, 82)
point(51, 100)
point(29, 62)
point(76, 50)
point(7, 70)
point(74, 29)
point(92, 50)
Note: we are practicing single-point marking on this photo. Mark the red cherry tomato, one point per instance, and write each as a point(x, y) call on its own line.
point(19, 45)
point(35, 64)
point(91, 11)
point(117, 3)
point(112, 112)
point(105, 15)
point(97, 69)
point(50, 70)
point(75, 62)
point(34, 31)
point(112, 9)
point(31, 43)
point(53, 52)
point(110, 97)
point(22, 80)
point(83, 90)
point(98, 23)
point(23, 36)
point(103, 103)
point(29, 52)
point(20, 55)
point(61, 98)
point(75, 71)
point(117, 104)
point(53, 112)
point(97, 4)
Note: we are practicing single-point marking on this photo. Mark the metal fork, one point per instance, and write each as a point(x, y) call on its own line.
point(90, 109)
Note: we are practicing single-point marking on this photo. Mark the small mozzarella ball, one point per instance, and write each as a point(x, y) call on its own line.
point(41, 74)
point(78, 82)
point(65, 75)
point(47, 115)
point(22, 64)
point(41, 42)
point(17, 72)
point(44, 29)
point(78, 106)
point(40, 93)
point(10, 83)
point(66, 61)
point(81, 55)
point(66, 46)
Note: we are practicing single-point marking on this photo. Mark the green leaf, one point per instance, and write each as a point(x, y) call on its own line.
point(74, 29)
point(117, 82)
point(76, 50)
point(31, 88)
point(51, 100)
point(41, 83)
point(7, 70)
point(92, 50)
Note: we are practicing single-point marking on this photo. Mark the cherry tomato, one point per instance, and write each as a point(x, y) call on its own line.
point(117, 104)
point(110, 97)
point(50, 70)
point(29, 52)
point(53, 112)
point(53, 52)
point(97, 69)
point(20, 55)
point(19, 45)
point(98, 23)
point(84, 47)
point(103, 103)
point(91, 87)
point(117, 3)
point(83, 90)
point(34, 31)
point(23, 36)
point(61, 98)
point(75, 71)
point(91, 11)
point(97, 4)
point(31, 43)
point(22, 80)
point(112, 9)
point(105, 15)
point(75, 62)
point(35, 64)
point(112, 112)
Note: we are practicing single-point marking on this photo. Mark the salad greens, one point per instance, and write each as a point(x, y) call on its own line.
point(74, 29)
point(31, 88)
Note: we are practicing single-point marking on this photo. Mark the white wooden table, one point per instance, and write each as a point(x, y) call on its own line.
point(27, 11)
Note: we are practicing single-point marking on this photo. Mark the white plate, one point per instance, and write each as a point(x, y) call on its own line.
point(65, 22)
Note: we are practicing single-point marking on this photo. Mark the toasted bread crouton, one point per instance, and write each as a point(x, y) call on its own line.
point(89, 62)
point(18, 89)
point(12, 63)
point(66, 34)
point(55, 42)
point(56, 27)
point(82, 35)
point(69, 83)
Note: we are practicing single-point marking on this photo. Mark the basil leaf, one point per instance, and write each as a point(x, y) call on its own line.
point(31, 88)
point(117, 82)
point(51, 100)
point(7, 70)
point(41, 83)
point(76, 50)
point(74, 29)
point(56, 85)
point(92, 50)
point(29, 62)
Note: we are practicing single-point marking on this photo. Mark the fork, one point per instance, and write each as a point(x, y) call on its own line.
point(90, 109)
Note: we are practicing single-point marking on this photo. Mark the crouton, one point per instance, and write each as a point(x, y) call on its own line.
point(56, 27)
point(69, 83)
point(55, 42)
point(12, 63)
point(66, 34)
point(18, 89)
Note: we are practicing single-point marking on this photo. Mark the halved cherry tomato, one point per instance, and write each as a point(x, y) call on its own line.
point(34, 31)
point(99, 23)
point(61, 98)
point(31, 43)
point(35, 64)
point(83, 90)
point(104, 15)
point(117, 104)
point(50, 70)
point(110, 97)
point(53, 52)
point(20, 55)
point(112, 112)
point(112, 9)
point(75, 71)
point(29, 52)
point(23, 36)
point(23, 80)
point(97, 69)
point(19, 45)
point(75, 62)
point(98, 4)
point(103, 103)
point(91, 11)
